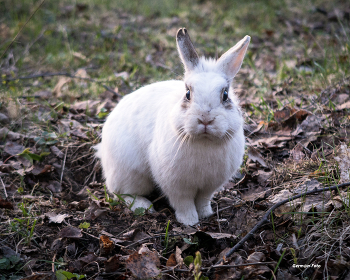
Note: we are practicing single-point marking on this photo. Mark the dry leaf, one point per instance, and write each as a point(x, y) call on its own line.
point(172, 260)
point(6, 204)
point(86, 106)
point(57, 152)
point(143, 266)
point(10, 135)
point(70, 232)
point(54, 186)
point(106, 245)
point(343, 160)
point(57, 91)
point(298, 153)
point(263, 177)
point(255, 156)
point(56, 218)
point(343, 106)
point(144, 249)
point(255, 196)
point(287, 207)
point(82, 74)
point(13, 148)
point(112, 264)
point(256, 257)
point(179, 259)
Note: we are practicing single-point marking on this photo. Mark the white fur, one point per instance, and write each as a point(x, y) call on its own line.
point(141, 144)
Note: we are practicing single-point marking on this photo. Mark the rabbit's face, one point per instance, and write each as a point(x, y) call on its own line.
point(208, 107)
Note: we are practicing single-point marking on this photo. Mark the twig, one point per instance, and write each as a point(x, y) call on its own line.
point(61, 74)
point(53, 263)
point(63, 165)
point(3, 185)
point(265, 219)
point(14, 39)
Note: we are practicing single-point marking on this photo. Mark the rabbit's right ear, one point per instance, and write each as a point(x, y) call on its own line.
point(230, 62)
point(186, 50)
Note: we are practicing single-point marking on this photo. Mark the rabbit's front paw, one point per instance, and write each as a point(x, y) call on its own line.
point(205, 212)
point(188, 218)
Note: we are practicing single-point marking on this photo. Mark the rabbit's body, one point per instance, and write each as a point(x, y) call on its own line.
point(187, 146)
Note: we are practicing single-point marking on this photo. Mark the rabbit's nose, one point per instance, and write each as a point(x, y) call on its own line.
point(205, 122)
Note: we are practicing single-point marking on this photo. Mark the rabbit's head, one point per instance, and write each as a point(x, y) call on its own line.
point(209, 108)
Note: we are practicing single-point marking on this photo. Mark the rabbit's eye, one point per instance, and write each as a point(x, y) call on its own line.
point(188, 94)
point(225, 95)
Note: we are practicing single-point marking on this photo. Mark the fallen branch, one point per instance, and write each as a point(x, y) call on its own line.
point(60, 74)
point(265, 219)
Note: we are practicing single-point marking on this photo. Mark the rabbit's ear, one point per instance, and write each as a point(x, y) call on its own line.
point(186, 50)
point(230, 62)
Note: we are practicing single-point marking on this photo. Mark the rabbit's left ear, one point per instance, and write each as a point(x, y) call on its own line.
point(186, 50)
point(230, 62)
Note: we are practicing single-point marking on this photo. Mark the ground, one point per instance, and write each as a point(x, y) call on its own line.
point(64, 65)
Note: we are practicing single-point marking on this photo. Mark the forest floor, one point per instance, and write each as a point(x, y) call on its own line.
point(70, 65)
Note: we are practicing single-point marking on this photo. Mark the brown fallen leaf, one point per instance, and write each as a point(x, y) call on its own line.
point(263, 177)
point(106, 245)
point(86, 106)
point(62, 81)
point(6, 204)
point(298, 153)
point(230, 273)
point(346, 105)
point(78, 264)
point(112, 264)
point(82, 74)
point(70, 232)
point(79, 205)
point(78, 133)
point(255, 156)
point(57, 152)
point(343, 159)
point(95, 210)
point(57, 245)
point(5, 133)
point(255, 196)
point(287, 207)
point(13, 148)
point(38, 170)
point(54, 186)
point(172, 260)
point(143, 266)
point(271, 142)
point(6, 168)
point(144, 249)
point(179, 259)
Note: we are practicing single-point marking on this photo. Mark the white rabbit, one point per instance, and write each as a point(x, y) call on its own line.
point(186, 137)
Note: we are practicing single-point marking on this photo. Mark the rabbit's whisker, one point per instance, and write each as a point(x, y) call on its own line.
point(181, 134)
point(183, 140)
